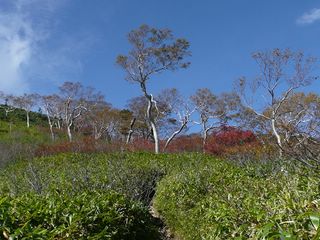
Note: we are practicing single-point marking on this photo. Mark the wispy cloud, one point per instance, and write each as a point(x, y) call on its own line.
point(15, 49)
point(52, 66)
point(33, 54)
point(309, 17)
point(19, 37)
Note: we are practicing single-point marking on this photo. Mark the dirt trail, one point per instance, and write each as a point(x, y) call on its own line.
point(165, 232)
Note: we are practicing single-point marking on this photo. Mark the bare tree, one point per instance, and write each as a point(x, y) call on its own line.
point(153, 51)
point(176, 110)
point(26, 102)
point(53, 106)
point(104, 120)
point(139, 126)
point(205, 102)
point(213, 110)
point(299, 126)
point(76, 99)
point(282, 72)
point(80, 103)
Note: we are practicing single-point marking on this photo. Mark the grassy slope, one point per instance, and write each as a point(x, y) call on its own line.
point(13, 127)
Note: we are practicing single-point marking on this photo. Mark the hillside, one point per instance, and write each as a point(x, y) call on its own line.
point(18, 116)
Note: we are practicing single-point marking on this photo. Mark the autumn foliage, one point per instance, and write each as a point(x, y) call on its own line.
point(84, 145)
point(227, 139)
point(91, 145)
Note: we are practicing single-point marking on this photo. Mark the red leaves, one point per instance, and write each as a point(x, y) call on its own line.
point(228, 137)
point(228, 140)
point(179, 144)
point(84, 145)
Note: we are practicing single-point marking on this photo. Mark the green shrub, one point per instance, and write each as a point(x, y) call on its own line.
point(90, 215)
point(129, 174)
point(198, 197)
point(218, 200)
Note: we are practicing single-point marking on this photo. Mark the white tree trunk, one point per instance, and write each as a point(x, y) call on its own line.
point(155, 136)
point(69, 132)
point(130, 131)
point(58, 124)
point(28, 119)
point(175, 134)
point(51, 131)
point(276, 134)
point(152, 124)
point(98, 132)
point(50, 126)
point(204, 137)
point(95, 133)
point(150, 117)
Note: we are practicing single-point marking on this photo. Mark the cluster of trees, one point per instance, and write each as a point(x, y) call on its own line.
point(83, 110)
point(272, 104)
point(290, 116)
point(75, 108)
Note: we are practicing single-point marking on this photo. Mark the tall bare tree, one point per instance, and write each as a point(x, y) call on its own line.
point(77, 100)
point(153, 51)
point(282, 72)
point(53, 106)
point(299, 126)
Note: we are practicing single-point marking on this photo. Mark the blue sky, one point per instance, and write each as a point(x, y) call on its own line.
point(46, 42)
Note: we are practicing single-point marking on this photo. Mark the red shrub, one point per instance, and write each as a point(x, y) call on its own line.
point(84, 145)
point(228, 137)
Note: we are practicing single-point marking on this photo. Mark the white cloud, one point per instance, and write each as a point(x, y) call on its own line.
point(16, 39)
point(52, 66)
point(28, 60)
point(19, 37)
point(309, 17)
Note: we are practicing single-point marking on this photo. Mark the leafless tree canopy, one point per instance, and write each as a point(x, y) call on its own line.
point(288, 114)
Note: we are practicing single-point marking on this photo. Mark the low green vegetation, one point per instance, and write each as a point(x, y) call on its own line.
point(18, 133)
point(71, 196)
point(106, 196)
point(19, 142)
point(216, 200)
point(89, 215)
